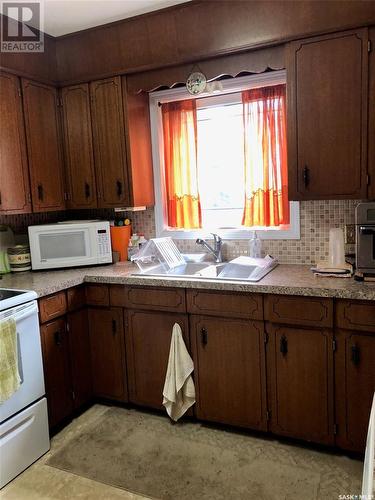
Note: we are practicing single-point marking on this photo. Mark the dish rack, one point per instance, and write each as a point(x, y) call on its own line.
point(158, 254)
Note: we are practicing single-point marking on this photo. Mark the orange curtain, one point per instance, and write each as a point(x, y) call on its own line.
point(180, 159)
point(266, 174)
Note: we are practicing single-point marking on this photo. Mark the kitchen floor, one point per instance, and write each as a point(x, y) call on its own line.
point(279, 470)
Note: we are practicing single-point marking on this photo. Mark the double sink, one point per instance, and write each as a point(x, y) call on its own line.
point(223, 271)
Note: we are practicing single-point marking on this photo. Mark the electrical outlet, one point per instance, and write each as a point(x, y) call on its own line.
point(349, 234)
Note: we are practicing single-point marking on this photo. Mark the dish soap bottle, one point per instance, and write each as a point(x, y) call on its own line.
point(255, 247)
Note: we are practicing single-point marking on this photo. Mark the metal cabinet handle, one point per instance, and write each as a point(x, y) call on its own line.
point(40, 192)
point(306, 176)
point(283, 345)
point(87, 190)
point(355, 355)
point(204, 336)
point(58, 337)
point(114, 327)
point(119, 188)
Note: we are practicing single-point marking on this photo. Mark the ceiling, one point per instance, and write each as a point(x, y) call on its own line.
point(67, 16)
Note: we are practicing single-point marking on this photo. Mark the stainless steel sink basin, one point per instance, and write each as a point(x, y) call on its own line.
point(223, 271)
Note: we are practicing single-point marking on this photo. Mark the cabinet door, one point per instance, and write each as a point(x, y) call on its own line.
point(300, 363)
point(229, 360)
point(138, 142)
point(327, 116)
point(57, 370)
point(79, 154)
point(15, 194)
point(79, 343)
point(109, 142)
point(355, 387)
point(107, 353)
point(148, 339)
point(43, 144)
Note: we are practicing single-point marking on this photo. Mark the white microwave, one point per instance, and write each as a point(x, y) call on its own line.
point(70, 244)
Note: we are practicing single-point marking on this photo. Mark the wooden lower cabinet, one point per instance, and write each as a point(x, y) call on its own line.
point(148, 339)
point(230, 375)
point(108, 353)
point(300, 370)
point(57, 370)
point(355, 387)
point(79, 347)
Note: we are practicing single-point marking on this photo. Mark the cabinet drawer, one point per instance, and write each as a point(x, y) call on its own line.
point(97, 295)
point(355, 315)
point(158, 299)
point(228, 304)
point(52, 306)
point(76, 298)
point(309, 311)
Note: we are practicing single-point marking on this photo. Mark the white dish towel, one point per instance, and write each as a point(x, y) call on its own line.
point(179, 390)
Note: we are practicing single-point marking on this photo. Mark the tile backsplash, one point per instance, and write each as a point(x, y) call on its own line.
point(317, 217)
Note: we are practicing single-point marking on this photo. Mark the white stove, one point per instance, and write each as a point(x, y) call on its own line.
point(24, 435)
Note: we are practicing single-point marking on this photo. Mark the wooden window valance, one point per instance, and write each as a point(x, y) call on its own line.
point(255, 61)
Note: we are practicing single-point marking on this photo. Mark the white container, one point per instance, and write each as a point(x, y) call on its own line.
point(255, 247)
point(336, 255)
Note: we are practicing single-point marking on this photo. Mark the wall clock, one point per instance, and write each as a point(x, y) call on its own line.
point(196, 83)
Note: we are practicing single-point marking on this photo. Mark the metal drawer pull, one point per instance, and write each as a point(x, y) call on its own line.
point(40, 192)
point(204, 336)
point(306, 176)
point(87, 190)
point(58, 337)
point(355, 355)
point(283, 345)
point(114, 327)
point(119, 188)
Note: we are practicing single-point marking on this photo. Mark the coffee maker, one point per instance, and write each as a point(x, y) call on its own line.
point(365, 239)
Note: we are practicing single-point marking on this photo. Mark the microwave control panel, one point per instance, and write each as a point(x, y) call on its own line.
point(103, 242)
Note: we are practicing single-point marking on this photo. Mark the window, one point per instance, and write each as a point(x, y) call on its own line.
point(214, 154)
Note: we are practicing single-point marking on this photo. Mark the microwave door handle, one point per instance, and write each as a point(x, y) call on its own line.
point(367, 231)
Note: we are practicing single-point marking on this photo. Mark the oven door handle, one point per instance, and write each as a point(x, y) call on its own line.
point(367, 231)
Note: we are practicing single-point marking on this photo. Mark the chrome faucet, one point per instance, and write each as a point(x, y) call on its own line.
point(216, 250)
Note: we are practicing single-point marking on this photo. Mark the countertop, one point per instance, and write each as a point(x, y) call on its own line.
point(285, 279)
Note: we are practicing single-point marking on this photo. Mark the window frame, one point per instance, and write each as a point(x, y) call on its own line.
point(229, 86)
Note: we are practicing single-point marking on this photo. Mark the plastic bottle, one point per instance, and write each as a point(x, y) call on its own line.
point(255, 247)
point(142, 240)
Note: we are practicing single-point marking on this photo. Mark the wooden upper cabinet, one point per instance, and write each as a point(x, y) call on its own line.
point(371, 116)
point(79, 155)
point(43, 144)
point(327, 116)
point(138, 142)
point(14, 176)
point(109, 143)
